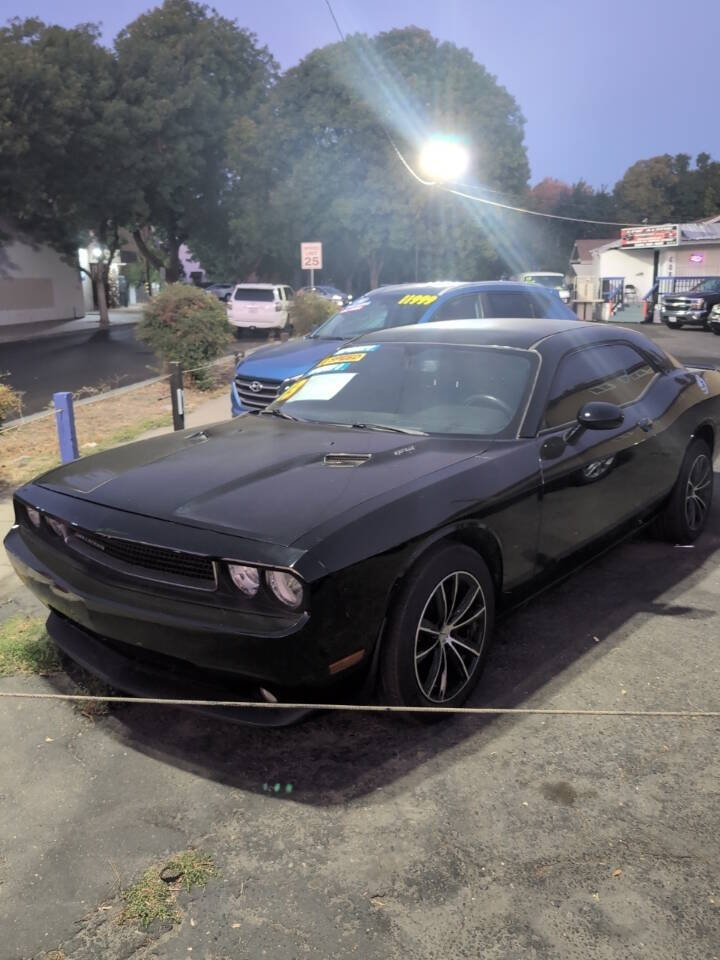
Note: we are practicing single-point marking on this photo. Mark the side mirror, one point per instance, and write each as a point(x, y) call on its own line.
point(598, 415)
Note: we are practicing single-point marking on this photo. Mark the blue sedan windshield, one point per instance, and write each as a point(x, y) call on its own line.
point(376, 312)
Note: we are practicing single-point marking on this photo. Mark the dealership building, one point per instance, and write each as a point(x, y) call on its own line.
point(622, 271)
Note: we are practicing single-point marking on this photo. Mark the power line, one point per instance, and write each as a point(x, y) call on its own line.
point(473, 197)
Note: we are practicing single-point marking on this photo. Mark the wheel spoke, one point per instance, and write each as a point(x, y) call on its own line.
point(454, 642)
point(464, 623)
point(460, 659)
point(464, 606)
point(700, 507)
point(434, 672)
point(444, 674)
point(421, 656)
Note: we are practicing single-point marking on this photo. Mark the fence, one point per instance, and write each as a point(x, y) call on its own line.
point(680, 284)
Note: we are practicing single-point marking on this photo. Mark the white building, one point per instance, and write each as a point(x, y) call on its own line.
point(674, 255)
point(36, 284)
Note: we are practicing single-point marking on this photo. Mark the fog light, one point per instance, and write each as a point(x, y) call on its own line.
point(59, 528)
point(246, 579)
point(33, 516)
point(286, 587)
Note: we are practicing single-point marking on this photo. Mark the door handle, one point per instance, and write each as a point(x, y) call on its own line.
point(645, 424)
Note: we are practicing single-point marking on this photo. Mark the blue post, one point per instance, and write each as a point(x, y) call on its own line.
point(65, 416)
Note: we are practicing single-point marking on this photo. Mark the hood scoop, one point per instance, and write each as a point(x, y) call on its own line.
point(346, 459)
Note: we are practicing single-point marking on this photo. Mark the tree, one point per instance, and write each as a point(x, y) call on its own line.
point(187, 74)
point(333, 175)
point(69, 160)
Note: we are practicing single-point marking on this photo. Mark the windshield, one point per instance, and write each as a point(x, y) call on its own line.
point(377, 311)
point(432, 388)
point(707, 286)
point(545, 279)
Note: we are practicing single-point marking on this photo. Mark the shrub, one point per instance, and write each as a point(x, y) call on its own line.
point(186, 324)
point(309, 311)
point(9, 401)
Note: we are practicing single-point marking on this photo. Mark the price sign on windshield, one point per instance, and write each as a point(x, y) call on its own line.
point(311, 256)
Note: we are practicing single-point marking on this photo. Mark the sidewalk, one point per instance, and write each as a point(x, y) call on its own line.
point(14, 332)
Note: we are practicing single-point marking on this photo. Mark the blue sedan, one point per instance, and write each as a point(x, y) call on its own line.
point(259, 377)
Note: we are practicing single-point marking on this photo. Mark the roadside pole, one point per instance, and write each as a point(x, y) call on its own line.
point(177, 395)
point(65, 420)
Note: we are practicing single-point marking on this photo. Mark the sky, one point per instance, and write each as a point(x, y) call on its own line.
point(601, 85)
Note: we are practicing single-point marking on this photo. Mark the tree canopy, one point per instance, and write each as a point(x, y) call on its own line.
point(185, 131)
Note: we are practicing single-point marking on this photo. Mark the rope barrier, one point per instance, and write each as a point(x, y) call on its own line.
point(371, 707)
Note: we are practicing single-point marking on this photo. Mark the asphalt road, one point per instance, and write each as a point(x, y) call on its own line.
point(504, 838)
point(95, 360)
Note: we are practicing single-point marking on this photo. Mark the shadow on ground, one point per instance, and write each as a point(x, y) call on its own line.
point(333, 758)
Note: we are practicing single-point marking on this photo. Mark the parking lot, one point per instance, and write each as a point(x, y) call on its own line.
point(361, 835)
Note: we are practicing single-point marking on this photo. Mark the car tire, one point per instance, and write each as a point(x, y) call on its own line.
point(716, 331)
point(445, 671)
point(686, 512)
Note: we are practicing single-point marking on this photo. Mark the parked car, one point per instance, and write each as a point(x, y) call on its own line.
point(220, 290)
point(328, 293)
point(260, 306)
point(258, 378)
point(555, 281)
point(693, 307)
point(366, 527)
point(714, 319)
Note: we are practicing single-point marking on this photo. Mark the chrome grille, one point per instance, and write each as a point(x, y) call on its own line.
point(256, 394)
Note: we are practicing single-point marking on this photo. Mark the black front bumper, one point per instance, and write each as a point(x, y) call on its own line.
point(150, 645)
point(165, 679)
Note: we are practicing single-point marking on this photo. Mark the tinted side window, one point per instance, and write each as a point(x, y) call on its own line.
point(548, 306)
point(508, 303)
point(616, 374)
point(464, 307)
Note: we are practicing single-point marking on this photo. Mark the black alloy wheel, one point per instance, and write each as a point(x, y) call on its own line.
point(439, 630)
point(686, 512)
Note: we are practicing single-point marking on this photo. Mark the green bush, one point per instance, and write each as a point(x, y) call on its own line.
point(9, 401)
point(309, 311)
point(186, 324)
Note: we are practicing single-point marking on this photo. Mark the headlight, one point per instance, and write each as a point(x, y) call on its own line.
point(286, 587)
point(246, 579)
point(715, 312)
point(59, 528)
point(33, 516)
point(697, 304)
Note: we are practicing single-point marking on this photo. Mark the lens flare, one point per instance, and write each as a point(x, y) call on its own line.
point(444, 160)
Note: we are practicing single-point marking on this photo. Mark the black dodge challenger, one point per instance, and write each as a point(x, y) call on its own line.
point(364, 529)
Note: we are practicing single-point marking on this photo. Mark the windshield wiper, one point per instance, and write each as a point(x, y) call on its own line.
point(316, 336)
point(387, 429)
point(279, 413)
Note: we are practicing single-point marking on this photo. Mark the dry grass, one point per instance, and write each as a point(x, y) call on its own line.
point(32, 448)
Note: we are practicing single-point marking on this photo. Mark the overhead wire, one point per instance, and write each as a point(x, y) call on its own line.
point(473, 197)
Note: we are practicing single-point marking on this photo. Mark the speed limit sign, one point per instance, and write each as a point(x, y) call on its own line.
point(311, 256)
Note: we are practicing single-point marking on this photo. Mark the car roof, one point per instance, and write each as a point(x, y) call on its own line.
point(512, 332)
point(260, 286)
point(441, 287)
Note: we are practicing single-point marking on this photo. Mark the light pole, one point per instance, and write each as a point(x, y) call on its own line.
point(97, 256)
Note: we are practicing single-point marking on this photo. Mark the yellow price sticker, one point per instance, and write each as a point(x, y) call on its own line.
point(293, 389)
point(417, 299)
point(341, 358)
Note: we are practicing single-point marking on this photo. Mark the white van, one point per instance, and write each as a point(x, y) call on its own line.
point(260, 306)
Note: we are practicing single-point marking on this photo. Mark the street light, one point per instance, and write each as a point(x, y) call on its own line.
point(444, 159)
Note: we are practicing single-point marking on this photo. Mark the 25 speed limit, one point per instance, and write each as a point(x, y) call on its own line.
point(311, 256)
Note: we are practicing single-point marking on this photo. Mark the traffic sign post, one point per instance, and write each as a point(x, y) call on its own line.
point(311, 259)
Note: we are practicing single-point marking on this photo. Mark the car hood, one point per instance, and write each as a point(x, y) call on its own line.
point(286, 359)
point(258, 477)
